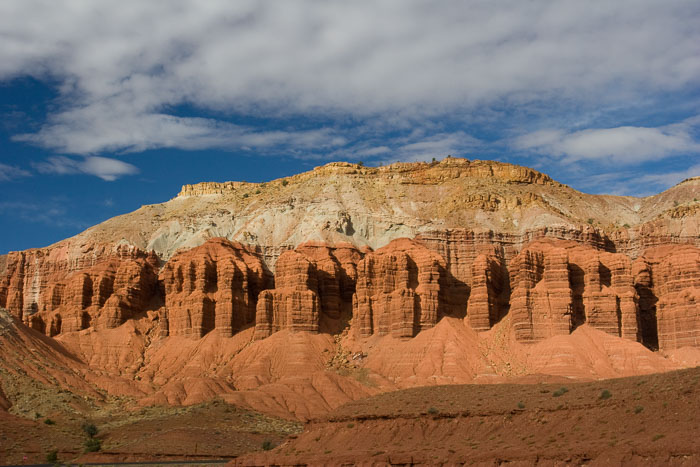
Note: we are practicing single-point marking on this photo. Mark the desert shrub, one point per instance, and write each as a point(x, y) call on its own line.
point(560, 392)
point(267, 445)
point(52, 457)
point(605, 394)
point(257, 192)
point(90, 429)
point(285, 182)
point(48, 421)
point(638, 409)
point(93, 445)
point(521, 405)
point(245, 195)
point(433, 411)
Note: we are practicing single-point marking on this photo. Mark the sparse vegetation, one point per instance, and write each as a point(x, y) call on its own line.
point(52, 457)
point(560, 392)
point(658, 437)
point(590, 220)
point(93, 445)
point(627, 226)
point(267, 445)
point(257, 192)
point(605, 394)
point(245, 195)
point(433, 411)
point(521, 405)
point(285, 182)
point(90, 429)
point(638, 409)
point(48, 421)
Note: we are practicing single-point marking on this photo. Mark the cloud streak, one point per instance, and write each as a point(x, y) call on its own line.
point(105, 168)
point(625, 144)
point(11, 172)
point(123, 67)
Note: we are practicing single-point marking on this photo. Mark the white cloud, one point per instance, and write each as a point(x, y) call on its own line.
point(105, 168)
point(669, 178)
point(625, 144)
point(11, 172)
point(93, 129)
point(123, 66)
point(419, 145)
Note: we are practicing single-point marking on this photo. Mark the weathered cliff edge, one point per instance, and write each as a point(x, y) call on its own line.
point(117, 303)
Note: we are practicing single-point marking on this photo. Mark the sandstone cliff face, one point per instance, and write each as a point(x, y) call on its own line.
point(398, 290)
point(313, 282)
point(490, 291)
point(53, 294)
point(668, 282)
point(212, 287)
point(558, 286)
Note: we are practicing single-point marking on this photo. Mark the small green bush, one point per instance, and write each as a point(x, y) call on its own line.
point(48, 421)
point(285, 182)
point(93, 445)
point(521, 405)
point(605, 394)
point(267, 445)
point(560, 392)
point(52, 457)
point(245, 195)
point(638, 409)
point(433, 411)
point(90, 429)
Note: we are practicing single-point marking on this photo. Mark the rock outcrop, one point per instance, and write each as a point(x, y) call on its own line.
point(490, 292)
point(398, 290)
point(667, 280)
point(558, 286)
point(212, 287)
point(53, 293)
point(313, 282)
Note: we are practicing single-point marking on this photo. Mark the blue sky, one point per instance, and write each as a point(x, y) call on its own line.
point(106, 106)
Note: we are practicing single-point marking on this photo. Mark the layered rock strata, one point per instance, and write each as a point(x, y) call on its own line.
point(212, 287)
point(398, 290)
point(667, 280)
point(55, 294)
point(313, 282)
point(558, 286)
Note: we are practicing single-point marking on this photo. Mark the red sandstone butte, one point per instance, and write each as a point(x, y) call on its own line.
point(212, 287)
point(667, 279)
point(53, 292)
point(398, 290)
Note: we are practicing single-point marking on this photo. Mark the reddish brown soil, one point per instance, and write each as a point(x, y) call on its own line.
point(215, 430)
point(645, 420)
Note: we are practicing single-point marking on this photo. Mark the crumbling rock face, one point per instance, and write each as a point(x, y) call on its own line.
point(294, 303)
point(490, 289)
point(398, 290)
point(212, 287)
point(558, 286)
point(312, 282)
point(667, 280)
point(54, 293)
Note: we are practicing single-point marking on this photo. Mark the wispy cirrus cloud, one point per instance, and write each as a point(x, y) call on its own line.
point(105, 168)
point(12, 172)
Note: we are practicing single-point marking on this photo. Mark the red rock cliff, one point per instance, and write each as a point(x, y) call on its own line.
point(212, 287)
